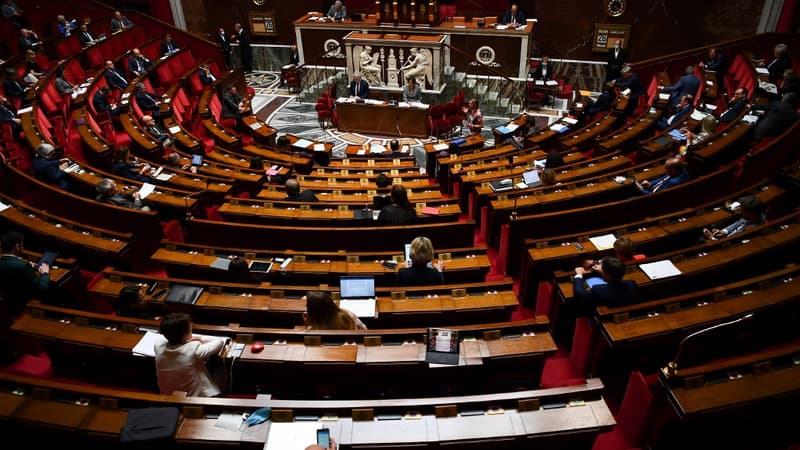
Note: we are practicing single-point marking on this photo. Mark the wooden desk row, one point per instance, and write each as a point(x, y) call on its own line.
point(485, 366)
point(46, 410)
point(265, 303)
point(651, 236)
point(353, 197)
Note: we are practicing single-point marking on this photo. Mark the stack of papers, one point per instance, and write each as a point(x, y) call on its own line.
point(441, 146)
point(255, 125)
point(750, 118)
point(506, 129)
point(603, 242)
point(663, 96)
point(569, 120)
point(763, 70)
point(175, 129)
point(361, 308)
point(677, 135)
point(559, 128)
point(551, 83)
point(769, 87)
point(660, 269)
point(319, 147)
point(164, 176)
point(377, 148)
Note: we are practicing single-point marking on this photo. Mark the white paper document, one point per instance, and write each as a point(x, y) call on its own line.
point(603, 242)
point(319, 147)
point(4, 207)
point(255, 125)
point(569, 120)
point(175, 129)
point(229, 421)
point(441, 146)
point(164, 176)
point(361, 308)
point(146, 190)
point(146, 345)
point(763, 70)
point(551, 83)
point(660, 269)
point(291, 435)
point(302, 143)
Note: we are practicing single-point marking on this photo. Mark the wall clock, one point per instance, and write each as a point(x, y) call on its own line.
point(615, 8)
point(259, 2)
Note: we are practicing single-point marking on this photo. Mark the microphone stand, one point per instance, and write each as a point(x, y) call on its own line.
point(671, 369)
point(513, 215)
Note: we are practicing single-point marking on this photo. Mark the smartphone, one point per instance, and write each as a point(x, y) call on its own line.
point(324, 437)
point(152, 287)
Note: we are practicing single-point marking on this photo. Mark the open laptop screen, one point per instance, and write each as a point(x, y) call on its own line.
point(531, 178)
point(357, 287)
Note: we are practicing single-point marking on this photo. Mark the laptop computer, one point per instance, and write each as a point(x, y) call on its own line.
point(407, 252)
point(443, 346)
point(180, 293)
point(358, 295)
point(531, 178)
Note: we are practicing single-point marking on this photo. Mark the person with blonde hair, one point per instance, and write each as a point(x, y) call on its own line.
point(421, 271)
point(322, 313)
point(708, 126)
point(548, 177)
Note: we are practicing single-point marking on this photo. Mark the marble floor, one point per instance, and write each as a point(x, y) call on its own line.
point(283, 111)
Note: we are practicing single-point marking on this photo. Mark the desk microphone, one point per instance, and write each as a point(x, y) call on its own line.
point(193, 194)
point(671, 368)
point(397, 125)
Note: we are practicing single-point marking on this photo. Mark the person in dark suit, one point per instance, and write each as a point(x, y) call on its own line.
point(674, 174)
point(715, 63)
point(780, 62)
point(101, 103)
point(10, 11)
point(157, 133)
point(294, 54)
point(85, 36)
point(108, 192)
point(206, 76)
point(245, 52)
point(233, 105)
point(630, 81)
point(791, 83)
point(115, 78)
point(148, 102)
point(48, 167)
point(337, 11)
point(400, 211)
point(122, 165)
point(514, 17)
point(382, 197)
point(169, 46)
point(120, 22)
point(28, 40)
point(20, 281)
point(603, 102)
point(544, 71)
point(8, 114)
point(735, 107)
point(617, 58)
point(225, 47)
point(778, 117)
point(293, 192)
point(688, 84)
point(138, 64)
point(682, 109)
point(615, 292)
point(421, 271)
point(14, 89)
point(359, 87)
point(751, 211)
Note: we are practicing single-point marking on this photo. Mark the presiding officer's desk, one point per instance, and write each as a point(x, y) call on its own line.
point(94, 416)
point(382, 119)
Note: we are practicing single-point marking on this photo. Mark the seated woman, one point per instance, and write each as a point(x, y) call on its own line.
point(131, 302)
point(239, 272)
point(323, 314)
point(421, 271)
point(708, 126)
point(400, 211)
point(412, 92)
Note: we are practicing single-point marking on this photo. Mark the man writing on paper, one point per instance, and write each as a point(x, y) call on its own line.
point(613, 293)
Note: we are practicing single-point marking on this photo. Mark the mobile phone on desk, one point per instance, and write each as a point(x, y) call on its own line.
point(324, 437)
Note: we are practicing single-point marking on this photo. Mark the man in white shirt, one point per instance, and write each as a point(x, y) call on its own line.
point(181, 358)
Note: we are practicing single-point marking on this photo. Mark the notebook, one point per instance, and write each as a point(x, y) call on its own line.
point(501, 185)
point(181, 293)
point(443, 346)
point(531, 178)
point(358, 295)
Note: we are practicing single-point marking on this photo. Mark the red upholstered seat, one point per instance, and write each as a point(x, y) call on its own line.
point(37, 365)
point(632, 418)
point(571, 370)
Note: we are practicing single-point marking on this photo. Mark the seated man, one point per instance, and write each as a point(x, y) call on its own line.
point(20, 281)
point(157, 133)
point(138, 64)
point(613, 292)
point(715, 63)
point(148, 102)
point(382, 198)
point(752, 215)
point(682, 110)
point(778, 117)
point(48, 167)
point(8, 114)
point(85, 36)
point(735, 107)
point(206, 76)
point(674, 174)
point(120, 22)
point(544, 71)
point(233, 105)
point(13, 88)
point(114, 78)
point(358, 87)
point(293, 192)
point(174, 162)
point(780, 62)
point(514, 17)
point(603, 102)
point(108, 192)
point(337, 11)
point(169, 46)
point(28, 40)
point(65, 26)
point(100, 101)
